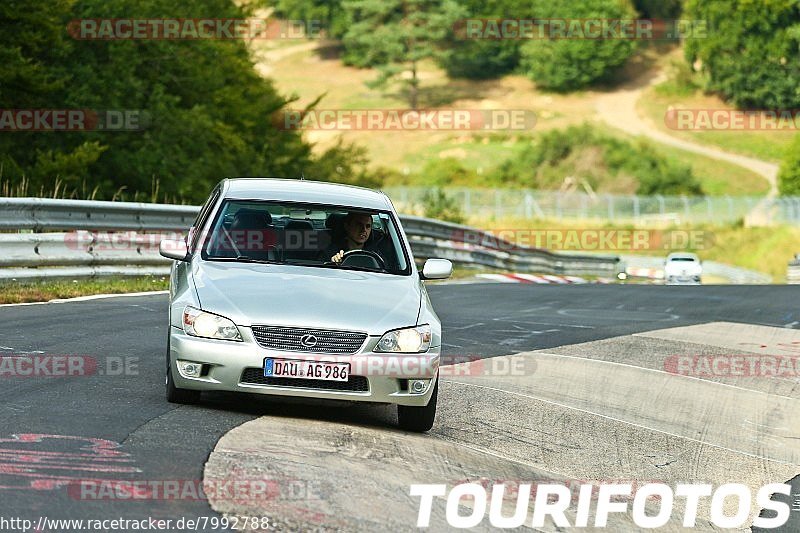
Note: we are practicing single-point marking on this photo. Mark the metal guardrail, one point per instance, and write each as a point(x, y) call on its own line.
point(105, 238)
point(793, 271)
point(38, 214)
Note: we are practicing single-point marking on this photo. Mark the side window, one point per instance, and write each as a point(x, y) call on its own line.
point(194, 233)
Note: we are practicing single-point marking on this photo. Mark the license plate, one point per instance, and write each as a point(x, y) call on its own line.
point(283, 368)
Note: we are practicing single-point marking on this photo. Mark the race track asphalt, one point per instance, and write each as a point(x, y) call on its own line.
point(594, 354)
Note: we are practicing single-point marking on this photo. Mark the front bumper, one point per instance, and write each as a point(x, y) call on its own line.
point(224, 363)
point(684, 280)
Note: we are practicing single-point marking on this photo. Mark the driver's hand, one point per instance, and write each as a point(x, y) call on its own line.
point(338, 257)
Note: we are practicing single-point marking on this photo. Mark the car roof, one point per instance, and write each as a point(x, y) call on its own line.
point(307, 191)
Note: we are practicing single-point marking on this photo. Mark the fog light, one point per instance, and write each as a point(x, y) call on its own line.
point(417, 386)
point(190, 370)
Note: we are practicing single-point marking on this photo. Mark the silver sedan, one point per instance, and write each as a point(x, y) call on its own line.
point(301, 288)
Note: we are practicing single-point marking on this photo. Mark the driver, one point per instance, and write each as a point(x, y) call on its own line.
point(357, 228)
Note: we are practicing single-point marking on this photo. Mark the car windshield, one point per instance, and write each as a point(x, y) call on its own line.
point(306, 234)
point(686, 259)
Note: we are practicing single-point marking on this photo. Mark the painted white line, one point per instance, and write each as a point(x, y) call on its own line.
point(88, 298)
point(531, 397)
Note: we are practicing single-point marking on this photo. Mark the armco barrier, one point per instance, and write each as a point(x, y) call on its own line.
point(82, 251)
point(40, 214)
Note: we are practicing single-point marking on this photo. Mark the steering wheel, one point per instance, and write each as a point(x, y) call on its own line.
point(368, 253)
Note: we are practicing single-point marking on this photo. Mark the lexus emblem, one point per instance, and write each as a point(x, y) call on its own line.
point(309, 341)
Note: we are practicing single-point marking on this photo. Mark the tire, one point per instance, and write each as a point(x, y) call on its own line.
point(418, 419)
point(176, 395)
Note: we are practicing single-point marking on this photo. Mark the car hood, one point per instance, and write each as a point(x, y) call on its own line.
point(250, 293)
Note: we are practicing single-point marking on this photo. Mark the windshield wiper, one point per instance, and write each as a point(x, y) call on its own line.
point(248, 259)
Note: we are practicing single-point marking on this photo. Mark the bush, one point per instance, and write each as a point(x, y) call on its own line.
point(442, 207)
point(789, 177)
point(446, 171)
point(479, 59)
point(750, 55)
point(564, 65)
point(604, 162)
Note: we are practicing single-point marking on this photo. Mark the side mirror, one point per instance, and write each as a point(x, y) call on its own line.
point(437, 269)
point(174, 249)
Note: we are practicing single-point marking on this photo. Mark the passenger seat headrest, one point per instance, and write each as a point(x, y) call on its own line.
point(250, 218)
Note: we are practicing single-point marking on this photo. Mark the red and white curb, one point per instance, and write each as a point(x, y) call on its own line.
point(542, 279)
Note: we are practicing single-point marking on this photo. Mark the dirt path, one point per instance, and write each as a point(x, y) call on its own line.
point(618, 109)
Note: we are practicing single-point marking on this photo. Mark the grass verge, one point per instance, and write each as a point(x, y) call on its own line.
point(42, 291)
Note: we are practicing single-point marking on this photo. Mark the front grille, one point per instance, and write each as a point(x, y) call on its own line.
point(255, 376)
point(327, 341)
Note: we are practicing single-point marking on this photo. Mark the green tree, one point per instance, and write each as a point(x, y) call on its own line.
point(484, 58)
point(789, 177)
point(210, 113)
point(569, 64)
point(327, 12)
point(396, 35)
point(751, 54)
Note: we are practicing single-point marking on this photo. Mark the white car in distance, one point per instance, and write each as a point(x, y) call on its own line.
point(683, 268)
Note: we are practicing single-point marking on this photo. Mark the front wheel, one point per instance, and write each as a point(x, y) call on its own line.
point(418, 419)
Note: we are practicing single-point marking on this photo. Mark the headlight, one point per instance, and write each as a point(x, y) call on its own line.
point(201, 324)
point(407, 340)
